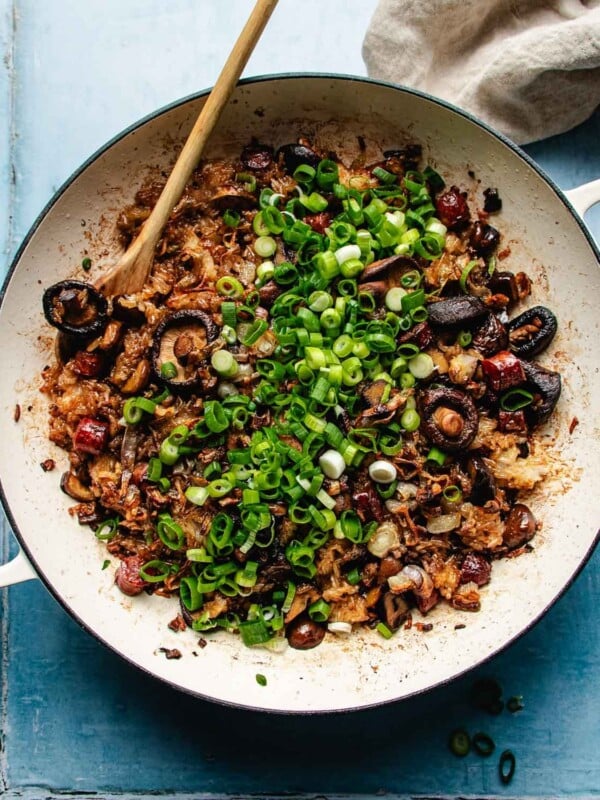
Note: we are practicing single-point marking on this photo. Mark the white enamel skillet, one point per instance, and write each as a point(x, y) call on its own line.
point(546, 237)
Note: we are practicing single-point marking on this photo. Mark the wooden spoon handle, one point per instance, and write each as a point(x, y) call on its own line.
point(130, 273)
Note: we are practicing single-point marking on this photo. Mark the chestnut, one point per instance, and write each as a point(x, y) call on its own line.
point(303, 633)
point(519, 526)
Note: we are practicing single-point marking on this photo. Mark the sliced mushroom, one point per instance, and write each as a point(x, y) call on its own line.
point(454, 311)
point(75, 307)
point(389, 269)
point(395, 610)
point(449, 418)
point(490, 336)
point(181, 339)
point(532, 331)
point(545, 384)
point(71, 485)
point(483, 483)
point(233, 197)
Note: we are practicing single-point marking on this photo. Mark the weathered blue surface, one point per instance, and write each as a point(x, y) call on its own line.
point(74, 717)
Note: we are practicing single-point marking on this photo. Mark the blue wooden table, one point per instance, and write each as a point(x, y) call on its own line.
point(77, 720)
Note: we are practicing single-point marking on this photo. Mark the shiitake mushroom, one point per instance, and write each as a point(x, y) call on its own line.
point(179, 341)
point(75, 308)
point(295, 154)
point(449, 418)
point(462, 310)
point(483, 483)
point(532, 331)
point(545, 385)
point(490, 336)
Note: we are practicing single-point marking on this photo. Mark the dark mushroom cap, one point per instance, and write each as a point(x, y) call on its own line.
point(75, 307)
point(257, 156)
point(295, 154)
point(532, 331)
point(545, 385)
point(483, 483)
point(389, 270)
point(490, 336)
point(459, 404)
point(454, 311)
point(180, 319)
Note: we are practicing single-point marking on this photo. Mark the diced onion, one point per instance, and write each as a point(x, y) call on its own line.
point(384, 539)
point(382, 471)
point(340, 627)
point(226, 389)
point(462, 368)
point(444, 523)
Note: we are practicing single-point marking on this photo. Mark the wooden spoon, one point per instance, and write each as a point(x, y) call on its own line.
point(131, 271)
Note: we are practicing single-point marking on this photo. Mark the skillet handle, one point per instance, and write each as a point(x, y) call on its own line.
point(582, 198)
point(17, 570)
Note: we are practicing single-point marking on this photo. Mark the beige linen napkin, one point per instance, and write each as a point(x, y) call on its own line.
point(530, 68)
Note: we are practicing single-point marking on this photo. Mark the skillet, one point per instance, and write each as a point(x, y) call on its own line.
point(546, 238)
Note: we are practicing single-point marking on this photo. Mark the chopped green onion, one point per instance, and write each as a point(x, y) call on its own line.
point(86, 264)
point(254, 332)
point(459, 743)
point(107, 529)
point(304, 173)
point(224, 364)
point(353, 577)
point(464, 339)
point(319, 611)
point(393, 298)
point(198, 495)
point(265, 246)
point(410, 420)
point(231, 218)
point(155, 571)
point(229, 314)
point(260, 679)
point(383, 630)
point(515, 399)
point(465, 275)
point(437, 456)
point(170, 532)
point(483, 744)
point(255, 632)
point(229, 287)
point(506, 766)
point(452, 494)
point(421, 366)
point(168, 370)
point(190, 596)
point(134, 408)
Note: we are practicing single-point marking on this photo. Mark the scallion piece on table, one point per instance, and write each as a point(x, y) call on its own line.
point(507, 766)
point(459, 742)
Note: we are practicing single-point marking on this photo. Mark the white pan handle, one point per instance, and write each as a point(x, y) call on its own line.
point(582, 198)
point(16, 571)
